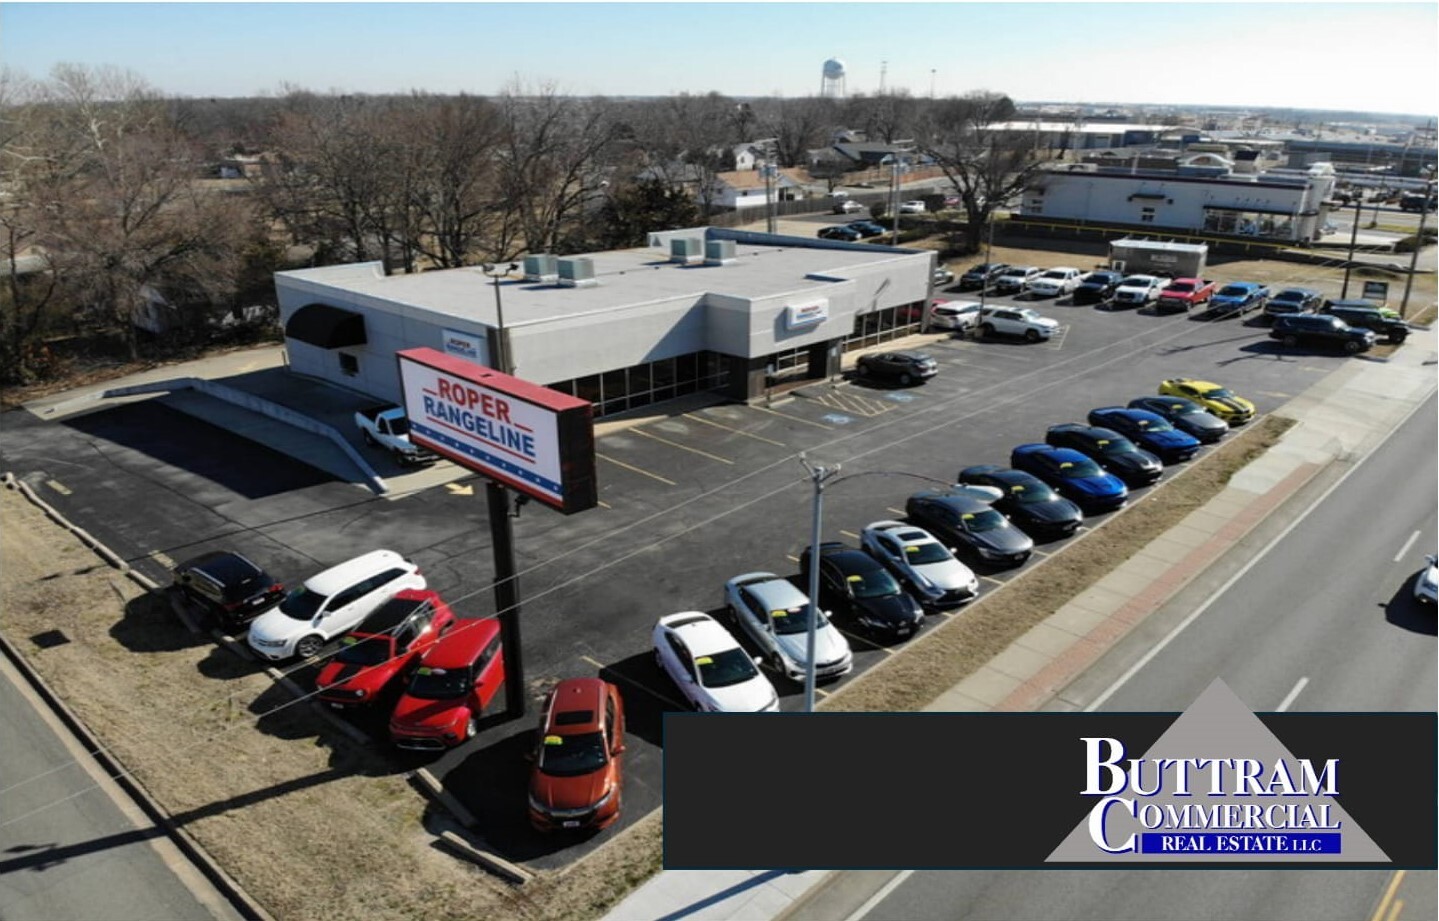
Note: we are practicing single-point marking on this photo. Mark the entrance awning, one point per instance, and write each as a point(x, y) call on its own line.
point(327, 327)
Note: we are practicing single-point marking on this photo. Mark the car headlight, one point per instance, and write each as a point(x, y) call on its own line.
point(609, 795)
point(990, 554)
point(538, 806)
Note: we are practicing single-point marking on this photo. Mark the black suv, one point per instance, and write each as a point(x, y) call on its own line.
point(1320, 329)
point(228, 586)
point(1293, 300)
point(1097, 287)
point(905, 367)
point(1365, 315)
point(856, 586)
point(981, 276)
point(1115, 453)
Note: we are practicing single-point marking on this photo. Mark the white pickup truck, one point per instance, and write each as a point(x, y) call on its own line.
point(386, 425)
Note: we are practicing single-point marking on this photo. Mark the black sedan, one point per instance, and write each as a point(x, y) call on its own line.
point(1028, 501)
point(905, 367)
point(228, 586)
point(855, 586)
point(840, 232)
point(981, 276)
point(971, 525)
point(1186, 415)
point(1115, 453)
point(868, 228)
point(1153, 432)
point(1096, 287)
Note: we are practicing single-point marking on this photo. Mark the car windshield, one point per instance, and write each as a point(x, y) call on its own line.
point(1156, 425)
point(877, 583)
point(986, 520)
point(1135, 281)
point(302, 604)
point(1111, 446)
point(1056, 275)
point(369, 650)
point(795, 620)
point(571, 756)
point(930, 552)
point(722, 669)
point(1287, 296)
point(1078, 469)
point(1234, 291)
point(1181, 286)
point(1030, 493)
point(439, 683)
point(1218, 393)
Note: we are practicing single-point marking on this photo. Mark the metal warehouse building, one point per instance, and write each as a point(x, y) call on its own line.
point(703, 309)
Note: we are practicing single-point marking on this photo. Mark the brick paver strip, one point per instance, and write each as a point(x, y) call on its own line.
point(1064, 667)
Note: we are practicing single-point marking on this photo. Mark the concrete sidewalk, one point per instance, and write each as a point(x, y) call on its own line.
point(1341, 418)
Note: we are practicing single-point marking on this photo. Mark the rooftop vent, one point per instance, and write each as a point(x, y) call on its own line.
point(686, 250)
point(578, 272)
point(542, 267)
point(719, 252)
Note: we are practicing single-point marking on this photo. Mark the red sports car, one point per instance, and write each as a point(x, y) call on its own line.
point(384, 649)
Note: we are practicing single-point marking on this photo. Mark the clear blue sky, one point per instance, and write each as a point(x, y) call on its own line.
point(1282, 54)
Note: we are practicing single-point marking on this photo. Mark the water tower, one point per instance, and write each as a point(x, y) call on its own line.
point(831, 85)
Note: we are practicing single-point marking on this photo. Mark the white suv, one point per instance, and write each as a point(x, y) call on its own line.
point(1016, 321)
point(330, 604)
point(1055, 282)
point(956, 315)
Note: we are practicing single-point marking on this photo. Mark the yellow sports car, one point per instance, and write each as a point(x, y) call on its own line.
point(1227, 405)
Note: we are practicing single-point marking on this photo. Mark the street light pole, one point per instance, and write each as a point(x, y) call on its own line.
point(818, 475)
point(502, 534)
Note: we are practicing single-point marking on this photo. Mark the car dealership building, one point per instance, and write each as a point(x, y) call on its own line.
point(703, 309)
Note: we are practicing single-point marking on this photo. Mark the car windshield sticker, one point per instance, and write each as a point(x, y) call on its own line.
point(778, 613)
point(1066, 465)
point(348, 641)
point(1143, 423)
point(911, 549)
point(1017, 487)
point(704, 660)
point(967, 516)
point(855, 579)
point(554, 740)
point(1103, 442)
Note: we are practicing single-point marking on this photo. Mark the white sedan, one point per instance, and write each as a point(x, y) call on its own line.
point(775, 614)
point(1425, 582)
point(709, 666)
point(911, 207)
point(926, 566)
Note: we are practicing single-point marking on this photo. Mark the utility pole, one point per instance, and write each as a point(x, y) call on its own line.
point(1414, 259)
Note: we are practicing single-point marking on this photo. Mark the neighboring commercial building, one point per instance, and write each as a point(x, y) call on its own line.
point(1071, 135)
point(703, 309)
point(1206, 199)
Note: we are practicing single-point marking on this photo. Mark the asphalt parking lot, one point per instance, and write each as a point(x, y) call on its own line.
point(689, 500)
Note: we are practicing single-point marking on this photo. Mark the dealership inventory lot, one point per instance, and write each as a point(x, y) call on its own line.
point(690, 500)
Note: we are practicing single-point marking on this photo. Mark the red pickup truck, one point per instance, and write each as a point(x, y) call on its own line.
point(1185, 293)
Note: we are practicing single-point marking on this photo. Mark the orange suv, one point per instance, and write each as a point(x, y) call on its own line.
point(575, 781)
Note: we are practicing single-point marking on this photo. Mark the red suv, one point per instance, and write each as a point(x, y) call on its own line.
point(457, 679)
point(575, 782)
point(385, 648)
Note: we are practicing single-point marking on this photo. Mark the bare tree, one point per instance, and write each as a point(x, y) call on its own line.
point(985, 166)
point(457, 179)
point(798, 126)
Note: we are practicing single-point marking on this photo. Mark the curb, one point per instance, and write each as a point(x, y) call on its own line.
point(485, 860)
point(295, 691)
point(432, 787)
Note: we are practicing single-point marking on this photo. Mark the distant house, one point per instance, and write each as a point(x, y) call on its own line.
point(746, 188)
point(753, 154)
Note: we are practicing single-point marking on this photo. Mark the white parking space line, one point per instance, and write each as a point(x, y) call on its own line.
point(818, 425)
point(699, 418)
point(620, 463)
point(1042, 554)
point(860, 638)
point(676, 444)
point(850, 534)
point(633, 683)
point(1407, 544)
point(164, 559)
point(869, 905)
point(896, 511)
point(603, 504)
point(1289, 698)
point(992, 579)
point(821, 692)
point(58, 487)
point(791, 557)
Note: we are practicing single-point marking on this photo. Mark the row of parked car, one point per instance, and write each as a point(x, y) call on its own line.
point(904, 571)
point(402, 649)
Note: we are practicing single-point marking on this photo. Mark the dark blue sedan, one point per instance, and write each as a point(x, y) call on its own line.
point(1150, 430)
point(1073, 475)
point(1186, 415)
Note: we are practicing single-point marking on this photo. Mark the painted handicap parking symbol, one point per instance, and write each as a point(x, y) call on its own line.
point(837, 419)
point(899, 397)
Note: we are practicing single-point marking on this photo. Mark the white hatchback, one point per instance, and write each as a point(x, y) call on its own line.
point(709, 666)
point(330, 604)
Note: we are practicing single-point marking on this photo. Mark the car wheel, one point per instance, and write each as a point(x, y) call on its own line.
point(987, 329)
point(904, 380)
point(1032, 335)
point(776, 663)
point(1290, 340)
point(863, 370)
point(1351, 347)
point(1396, 338)
point(309, 645)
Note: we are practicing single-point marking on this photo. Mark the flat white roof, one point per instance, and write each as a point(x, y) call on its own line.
point(626, 278)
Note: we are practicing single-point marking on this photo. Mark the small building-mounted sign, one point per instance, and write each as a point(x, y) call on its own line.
point(806, 314)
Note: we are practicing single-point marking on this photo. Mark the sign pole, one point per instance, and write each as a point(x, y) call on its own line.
point(507, 596)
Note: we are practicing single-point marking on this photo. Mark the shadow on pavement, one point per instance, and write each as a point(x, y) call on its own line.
point(150, 625)
point(1407, 613)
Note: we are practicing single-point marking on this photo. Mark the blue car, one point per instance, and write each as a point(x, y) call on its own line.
point(1150, 431)
point(1075, 476)
point(1238, 297)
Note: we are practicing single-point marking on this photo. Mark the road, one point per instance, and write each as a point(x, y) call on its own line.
point(1322, 621)
point(67, 848)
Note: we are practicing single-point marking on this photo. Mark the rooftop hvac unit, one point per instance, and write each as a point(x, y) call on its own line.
point(719, 252)
point(578, 272)
point(686, 250)
point(542, 267)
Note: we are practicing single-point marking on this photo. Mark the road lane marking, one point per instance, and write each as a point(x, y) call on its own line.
point(698, 418)
point(1289, 698)
point(676, 444)
point(620, 463)
point(631, 681)
point(873, 901)
point(1407, 544)
point(1394, 912)
point(1243, 571)
point(1383, 907)
point(818, 425)
point(58, 487)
